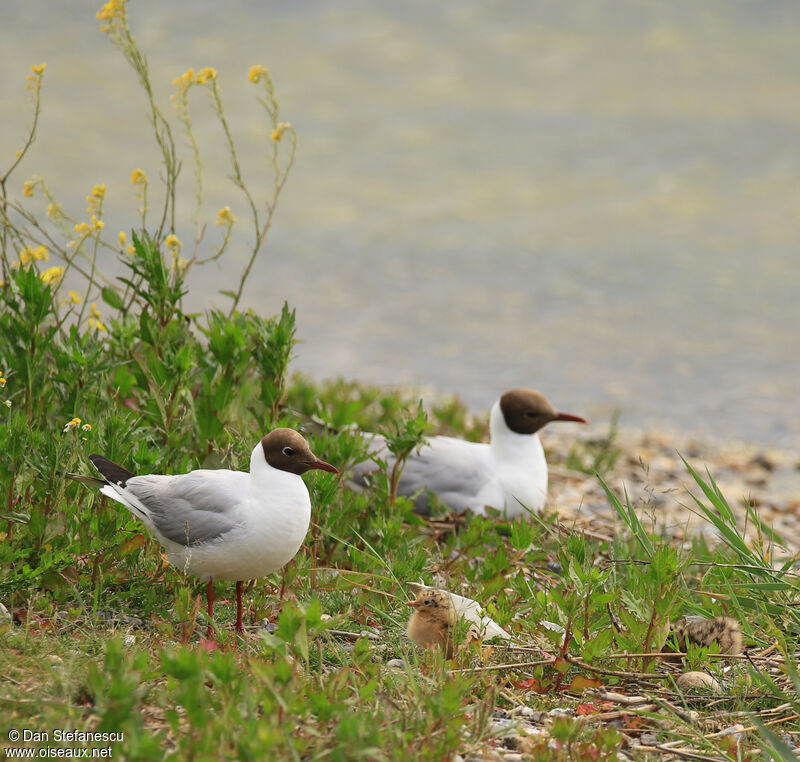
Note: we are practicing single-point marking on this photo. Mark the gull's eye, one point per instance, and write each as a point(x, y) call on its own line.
point(288, 452)
point(429, 601)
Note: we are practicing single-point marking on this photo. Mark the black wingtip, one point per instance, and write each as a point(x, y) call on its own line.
point(111, 472)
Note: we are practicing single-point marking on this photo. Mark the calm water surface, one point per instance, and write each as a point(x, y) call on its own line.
point(597, 199)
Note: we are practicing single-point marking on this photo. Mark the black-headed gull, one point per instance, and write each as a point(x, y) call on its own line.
point(221, 524)
point(509, 473)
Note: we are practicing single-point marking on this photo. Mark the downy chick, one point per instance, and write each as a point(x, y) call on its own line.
point(432, 622)
point(724, 630)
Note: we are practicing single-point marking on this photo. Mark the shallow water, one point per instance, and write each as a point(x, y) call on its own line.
point(596, 199)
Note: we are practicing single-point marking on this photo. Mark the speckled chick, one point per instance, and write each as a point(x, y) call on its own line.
point(432, 622)
point(703, 632)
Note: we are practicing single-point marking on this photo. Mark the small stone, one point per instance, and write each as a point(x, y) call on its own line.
point(649, 739)
point(763, 460)
point(324, 617)
point(5, 616)
point(54, 659)
point(690, 680)
point(737, 731)
point(561, 712)
point(129, 640)
point(395, 664)
point(513, 758)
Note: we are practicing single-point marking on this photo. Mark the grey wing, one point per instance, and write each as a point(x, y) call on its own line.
point(191, 508)
point(376, 448)
point(457, 471)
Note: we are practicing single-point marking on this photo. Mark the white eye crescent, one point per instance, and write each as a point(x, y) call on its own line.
point(288, 452)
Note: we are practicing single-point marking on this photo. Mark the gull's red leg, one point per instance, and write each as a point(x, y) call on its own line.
point(239, 588)
point(210, 598)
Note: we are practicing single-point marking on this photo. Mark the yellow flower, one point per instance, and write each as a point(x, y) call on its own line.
point(94, 312)
point(81, 228)
point(29, 254)
point(7, 403)
point(114, 12)
point(277, 133)
point(86, 427)
point(225, 216)
point(3, 380)
point(138, 177)
point(186, 79)
point(121, 238)
point(173, 243)
point(95, 199)
point(72, 424)
point(93, 323)
point(53, 210)
point(131, 249)
point(38, 68)
point(95, 223)
point(256, 72)
point(52, 274)
point(27, 188)
point(204, 75)
point(73, 297)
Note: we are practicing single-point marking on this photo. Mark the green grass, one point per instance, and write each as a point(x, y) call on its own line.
point(105, 637)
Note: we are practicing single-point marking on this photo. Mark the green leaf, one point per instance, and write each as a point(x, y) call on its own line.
point(112, 298)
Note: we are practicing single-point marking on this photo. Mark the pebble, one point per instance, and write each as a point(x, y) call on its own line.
point(5, 615)
point(396, 664)
point(689, 680)
point(54, 659)
point(737, 731)
point(129, 640)
point(561, 712)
